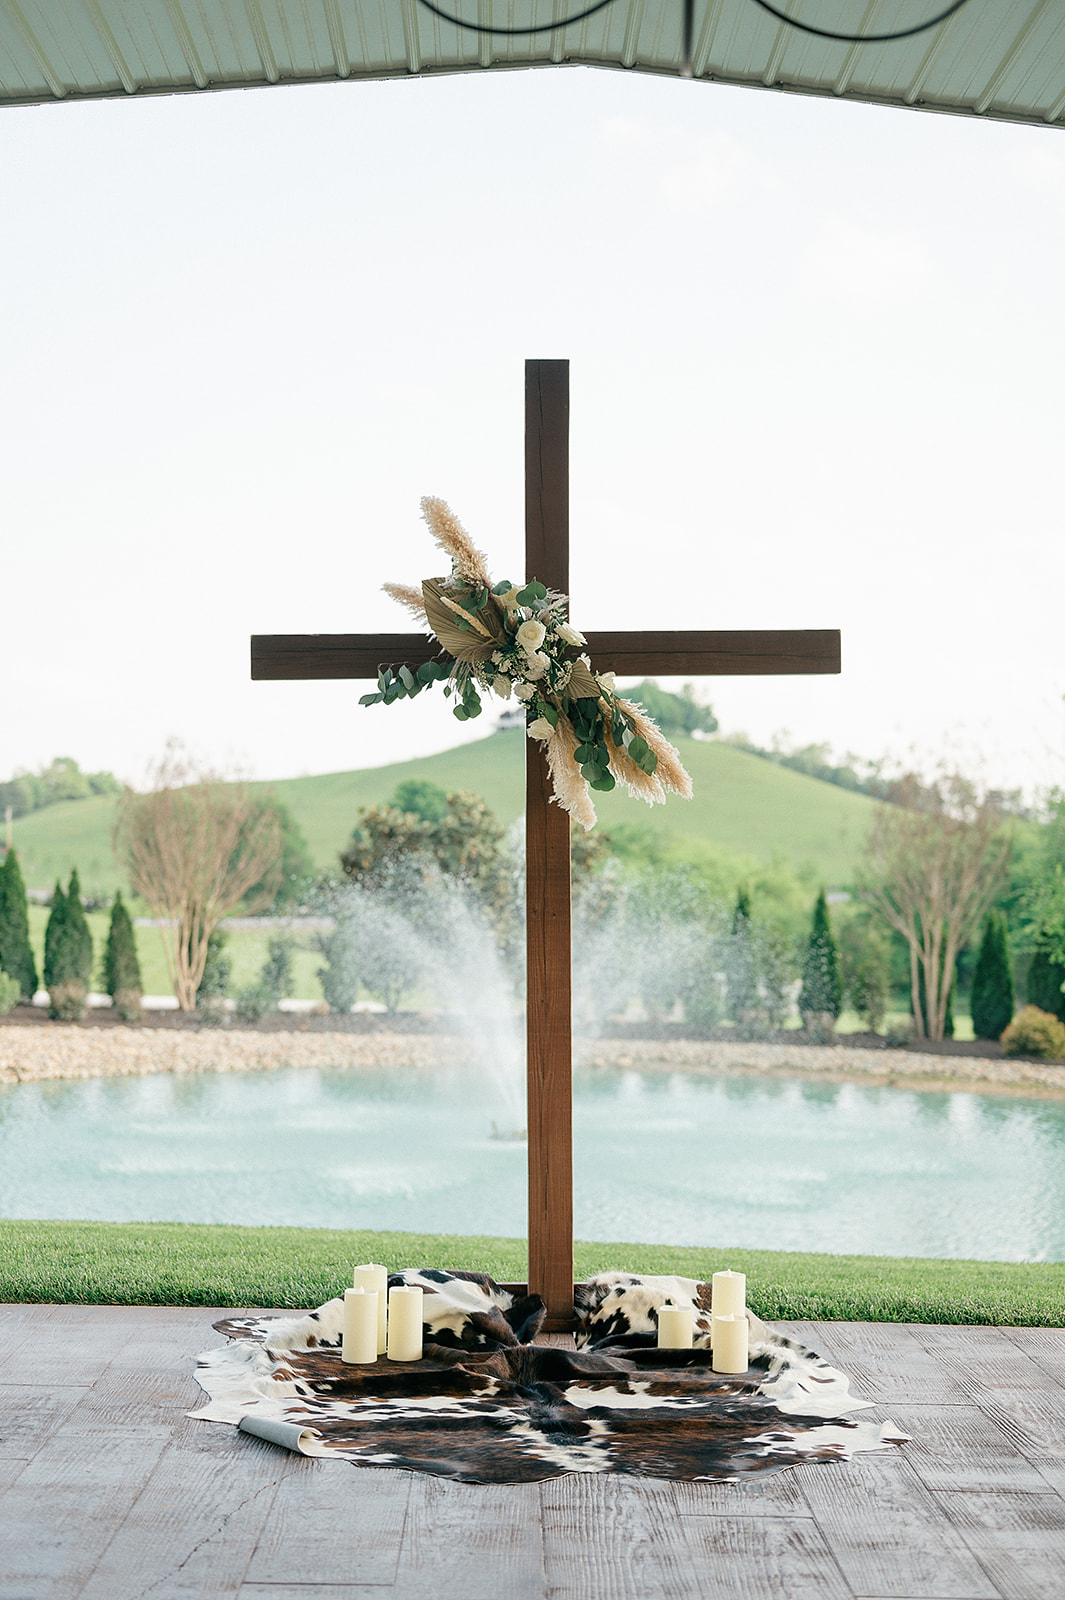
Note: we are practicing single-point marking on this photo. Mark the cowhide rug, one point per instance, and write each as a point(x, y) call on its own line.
point(486, 1405)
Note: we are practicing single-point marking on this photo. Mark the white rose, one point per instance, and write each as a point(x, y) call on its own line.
point(570, 635)
point(536, 665)
point(524, 691)
point(540, 729)
point(531, 636)
point(501, 686)
point(606, 680)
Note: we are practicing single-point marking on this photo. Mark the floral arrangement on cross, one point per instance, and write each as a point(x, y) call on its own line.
point(507, 640)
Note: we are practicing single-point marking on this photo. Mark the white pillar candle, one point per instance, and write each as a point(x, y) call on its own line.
point(730, 1343)
point(370, 1278)
point(728, 1294)
point(675, 1326)
point(360, 1325)
point(405, 1324)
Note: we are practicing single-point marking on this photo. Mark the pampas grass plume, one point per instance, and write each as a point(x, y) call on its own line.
point(641, 785)
point(451, 536)
point(570, 789)
point(670, 772)
point(410, 597)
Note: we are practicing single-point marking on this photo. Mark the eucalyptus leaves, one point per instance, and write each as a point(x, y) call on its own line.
point(513, 641)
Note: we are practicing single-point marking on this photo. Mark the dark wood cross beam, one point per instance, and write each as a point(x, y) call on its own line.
point(706, 654)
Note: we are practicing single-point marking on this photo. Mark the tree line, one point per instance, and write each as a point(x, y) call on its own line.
point(947, 872)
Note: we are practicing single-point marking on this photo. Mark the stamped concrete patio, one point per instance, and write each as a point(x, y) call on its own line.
point(108, 1492)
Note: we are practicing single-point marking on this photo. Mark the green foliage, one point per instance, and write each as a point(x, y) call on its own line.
point(741, 977)
point(992, 989)
point(274, 982)
point(1045, 987)
point(217, 970)
point(394, 853)
point(122, 971)
point(418, 798)
point(1035, 901)
point(865, 968)
point(277, 968)
point(69, 956)
point(9, 993)
point(676, 714)
point(297, 868)
point(390, 960)
point(16, 954)
point(63, 779)
point(1035, 1033)
point(340, 975)
point(194, 1264)
point(822, 987)
point(815, 761)
point(777, 895)
point(253, 1002)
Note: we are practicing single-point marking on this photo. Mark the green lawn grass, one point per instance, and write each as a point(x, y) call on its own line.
point(166, 1263)
point(743, 806)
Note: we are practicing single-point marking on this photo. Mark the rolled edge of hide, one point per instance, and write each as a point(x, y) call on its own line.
point(287, 1434)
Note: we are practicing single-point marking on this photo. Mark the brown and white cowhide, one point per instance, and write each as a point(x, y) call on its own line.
point(487, 1405)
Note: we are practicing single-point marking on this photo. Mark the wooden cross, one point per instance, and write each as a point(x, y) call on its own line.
point(547, 867)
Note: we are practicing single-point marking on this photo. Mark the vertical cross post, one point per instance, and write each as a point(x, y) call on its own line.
point(549, 1055)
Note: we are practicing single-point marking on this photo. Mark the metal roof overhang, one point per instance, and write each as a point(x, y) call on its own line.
point(1001, 59)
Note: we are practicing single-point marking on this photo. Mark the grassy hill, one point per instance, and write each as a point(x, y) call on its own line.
point(743, 805)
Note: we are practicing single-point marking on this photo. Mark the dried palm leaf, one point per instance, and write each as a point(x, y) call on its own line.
point(582, 685)
point(464, 646)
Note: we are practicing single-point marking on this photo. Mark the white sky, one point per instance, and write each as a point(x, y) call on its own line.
point(817, 354)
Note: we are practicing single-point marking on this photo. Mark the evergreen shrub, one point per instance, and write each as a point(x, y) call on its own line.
point(9, 993)
point(272, 984)
point(122, 972)
point(865, 971)
point(1044, 985)
point(992, 991)
point(340, 975)
point(51, 933)
point(821, 995)
point(217, 969)
point(1035, 1033)
point(741, 977)
point(70, 956)
point(16, 953)
point(214, 984)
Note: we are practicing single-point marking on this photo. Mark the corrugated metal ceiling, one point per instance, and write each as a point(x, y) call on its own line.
point(995, 58)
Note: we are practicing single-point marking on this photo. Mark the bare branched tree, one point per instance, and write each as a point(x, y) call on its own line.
point(935, 858)
point(194, 845)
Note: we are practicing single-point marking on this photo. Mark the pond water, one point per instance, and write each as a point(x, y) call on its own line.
point(679, 1159)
